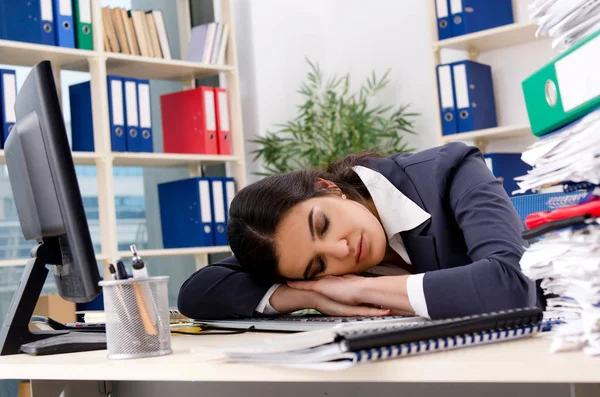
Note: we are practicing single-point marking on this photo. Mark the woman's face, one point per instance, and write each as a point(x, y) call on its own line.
point(328, 236)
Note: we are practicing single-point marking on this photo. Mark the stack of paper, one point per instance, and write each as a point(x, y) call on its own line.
point(568, 262)
point(569, 154)
point(565, 21)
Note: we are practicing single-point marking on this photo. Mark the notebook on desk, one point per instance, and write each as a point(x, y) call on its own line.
point(301, 323)
point(346, 346)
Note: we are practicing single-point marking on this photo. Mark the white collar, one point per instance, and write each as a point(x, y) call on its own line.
point(397, 212)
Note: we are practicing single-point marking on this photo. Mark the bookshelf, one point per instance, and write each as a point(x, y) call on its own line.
point(474, 44)
point(99, 64)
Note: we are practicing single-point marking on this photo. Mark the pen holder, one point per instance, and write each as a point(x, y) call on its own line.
point(137, 317)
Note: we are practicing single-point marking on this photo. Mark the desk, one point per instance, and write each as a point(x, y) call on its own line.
point(523, 361)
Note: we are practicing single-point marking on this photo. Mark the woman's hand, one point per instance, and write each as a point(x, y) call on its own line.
point(286, 300)
point(344, 289)
point(383, 292)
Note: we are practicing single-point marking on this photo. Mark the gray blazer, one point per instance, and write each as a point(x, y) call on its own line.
point(469, 249)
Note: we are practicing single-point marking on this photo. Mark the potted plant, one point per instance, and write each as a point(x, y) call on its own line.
point(333, 122)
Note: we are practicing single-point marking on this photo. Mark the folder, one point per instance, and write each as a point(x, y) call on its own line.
point(229, 192)
point(474, 96)
point(444, 27)
point(116, 110)
point(506, 167)
point(446, 95)
point(8, 96)
point(64, 26)
point(565, 89)
point(47, 30)
point(189, 121)
point(145, 109)
point(83, 24)
point(23, 20)
point(469, 16)
point(82, 128)
point(186, 213)
point(219, 211)
point(223, 126)
point(132, 119)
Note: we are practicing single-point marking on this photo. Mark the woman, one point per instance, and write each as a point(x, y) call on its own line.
point(436, 227)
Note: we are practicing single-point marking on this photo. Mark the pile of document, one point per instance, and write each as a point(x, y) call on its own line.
point(565, 253)
point(568, 154)
point(565, 21)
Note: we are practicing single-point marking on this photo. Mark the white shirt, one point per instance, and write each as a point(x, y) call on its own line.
point(397, 214)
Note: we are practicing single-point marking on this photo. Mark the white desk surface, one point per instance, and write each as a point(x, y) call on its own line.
point(516, 361)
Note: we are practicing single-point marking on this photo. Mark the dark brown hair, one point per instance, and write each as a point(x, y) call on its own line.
point(257, 209)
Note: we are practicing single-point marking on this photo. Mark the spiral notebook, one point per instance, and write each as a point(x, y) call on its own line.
point(353, 345)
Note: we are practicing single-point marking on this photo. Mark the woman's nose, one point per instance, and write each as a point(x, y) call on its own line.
point(338, 249)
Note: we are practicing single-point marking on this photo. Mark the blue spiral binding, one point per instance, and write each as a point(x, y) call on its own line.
point(426, 346)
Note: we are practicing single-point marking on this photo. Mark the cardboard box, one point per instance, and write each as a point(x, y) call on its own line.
point(56, 308)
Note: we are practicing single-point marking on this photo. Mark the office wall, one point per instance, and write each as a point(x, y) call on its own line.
point(359, 36)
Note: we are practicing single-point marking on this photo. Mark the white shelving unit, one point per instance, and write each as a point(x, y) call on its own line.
point(474, 44)
point(100, 64)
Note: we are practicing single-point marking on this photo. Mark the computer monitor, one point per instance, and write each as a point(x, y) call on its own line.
point(50, 209)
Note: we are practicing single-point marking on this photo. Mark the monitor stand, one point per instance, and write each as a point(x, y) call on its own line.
point(15, 331)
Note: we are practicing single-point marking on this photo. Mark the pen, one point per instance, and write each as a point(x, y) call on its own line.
point(121, 271)
point(140, 271)
point(139, 268)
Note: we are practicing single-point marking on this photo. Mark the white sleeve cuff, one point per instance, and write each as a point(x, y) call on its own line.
point(264, 306)
point(416, 295)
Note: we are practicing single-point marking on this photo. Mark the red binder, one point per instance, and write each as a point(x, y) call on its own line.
point(189, 121)
point(223, 126)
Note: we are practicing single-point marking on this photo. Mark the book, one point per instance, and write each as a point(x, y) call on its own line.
point(130, 32)
point(163, 37)
point(344, 346)
point(99, 317)
point(119, 25)
point(153, 35)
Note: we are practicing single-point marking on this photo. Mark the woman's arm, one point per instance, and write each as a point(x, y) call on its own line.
point(492, 231)
point(221, 290)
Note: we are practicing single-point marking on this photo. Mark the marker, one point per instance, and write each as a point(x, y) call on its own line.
point(139, 268)
point(121, 271)
point(113, 271)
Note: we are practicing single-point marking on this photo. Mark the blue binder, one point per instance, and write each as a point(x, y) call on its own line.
point(8, 96)
point(145, 110)
point(82, 128)
point(446, 99)
point(116, 110)
point(186, 213)
point(473, 96)
point(229, 193)
point(444, 27)
point(506, 167)
point(22, 21)
point(469, 16)
point(64, 25)
point(132, 119)
point(47, 26)
point(219, 206)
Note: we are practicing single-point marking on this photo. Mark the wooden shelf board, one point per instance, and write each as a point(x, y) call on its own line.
point(23, 261)
point(489, 134)
point(28, 54)
point(491, 39)
point(177, 252)
point(79, 158)
point(167, 159)
point(160, 69)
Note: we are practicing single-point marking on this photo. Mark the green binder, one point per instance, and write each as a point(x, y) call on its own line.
point(565, 89)
point(83, 24)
